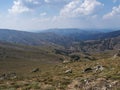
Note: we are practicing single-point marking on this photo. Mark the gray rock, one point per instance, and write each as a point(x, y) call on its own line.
point(88, 70)
point(35, 70)
point(68, 71)
point(8, 76)
point(2, 77)
point(66, 61)
point(98, 68)
point(12, 75)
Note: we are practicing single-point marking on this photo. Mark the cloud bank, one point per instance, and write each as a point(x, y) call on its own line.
point(44, 14)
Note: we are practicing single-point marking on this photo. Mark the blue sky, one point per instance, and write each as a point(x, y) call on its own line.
point(44, 14)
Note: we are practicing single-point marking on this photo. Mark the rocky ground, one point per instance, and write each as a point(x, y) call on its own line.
point(101, 74)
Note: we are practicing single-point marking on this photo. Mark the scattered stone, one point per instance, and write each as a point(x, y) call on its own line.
point(12, 75)
point(114, 56)
point(88, 70)
point(2, 77)
point(86, 81)
point(99, 68)
point(35, 70)
point(104, 88)
point(93, 84)
point(118, 54)
point(8, 76)
point(66, 61)
point(68, 71)
point(75, 85)
point(114, 83)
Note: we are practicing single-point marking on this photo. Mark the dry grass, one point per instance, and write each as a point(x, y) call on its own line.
point(51, 75)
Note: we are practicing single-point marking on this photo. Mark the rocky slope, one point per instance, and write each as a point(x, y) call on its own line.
point(97, 45)
point(102, 74)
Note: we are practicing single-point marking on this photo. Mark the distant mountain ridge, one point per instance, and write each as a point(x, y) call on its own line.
point(77, 38)
point(106, 41)
point(60, 36)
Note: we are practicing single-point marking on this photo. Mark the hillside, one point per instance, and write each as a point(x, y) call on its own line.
point(18, 58)
point(53, 60)
point(39, 68)
point(111, 34)
point(75, 40)
point(20, 37)
point(107, 41)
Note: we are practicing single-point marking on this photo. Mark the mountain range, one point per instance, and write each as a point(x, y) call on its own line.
point(77, 38)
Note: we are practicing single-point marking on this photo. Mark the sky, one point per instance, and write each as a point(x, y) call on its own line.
point(29, 15)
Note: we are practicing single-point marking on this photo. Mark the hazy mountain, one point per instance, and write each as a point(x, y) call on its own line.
point(53, 36)
point(19, 37)
point(105, 41)
point(109, 34)
point(83, 39)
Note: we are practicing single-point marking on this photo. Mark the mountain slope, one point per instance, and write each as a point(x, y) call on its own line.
point(20, 37)
point(15, 51)
point(38, 67)
point(106, 41)
point(110, 34)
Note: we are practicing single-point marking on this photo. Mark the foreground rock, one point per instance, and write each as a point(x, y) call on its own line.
point(88, 70)
point(97, 68)
point(68, 71)
point(95, 84)
point(35, 70)
point(8, 76)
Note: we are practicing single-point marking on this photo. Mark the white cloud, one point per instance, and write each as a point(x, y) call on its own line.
point(43, 14)
point(56, 1)
point(80, 7)
point(18, 8)
point(21, 6)
point(54, 13)
point(47, 1)
point(114, 13)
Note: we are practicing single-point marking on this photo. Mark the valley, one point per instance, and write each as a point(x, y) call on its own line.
point(59, 60)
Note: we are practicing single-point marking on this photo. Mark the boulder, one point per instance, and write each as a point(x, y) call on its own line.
point(68, 71)
point(99, 68)
point(35, 70)
point(88, 70)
